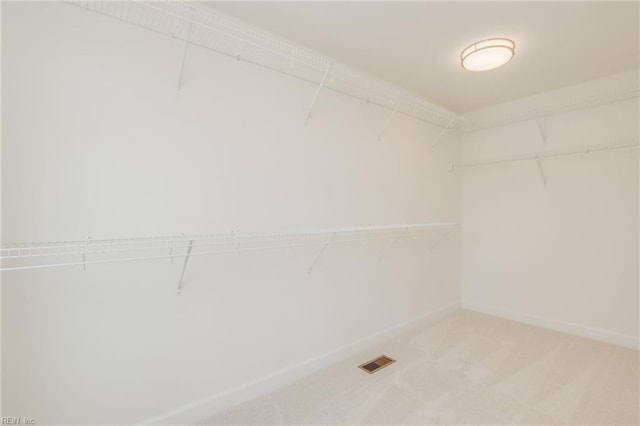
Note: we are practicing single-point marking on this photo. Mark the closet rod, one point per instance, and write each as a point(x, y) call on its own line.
point(541, 155)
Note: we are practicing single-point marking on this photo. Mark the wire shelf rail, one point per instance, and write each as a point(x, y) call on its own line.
point(55, 254)
point(591, 101)
point(543, 155)
point(208, 29)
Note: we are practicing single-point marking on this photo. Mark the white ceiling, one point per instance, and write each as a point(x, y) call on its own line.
point(417, 44)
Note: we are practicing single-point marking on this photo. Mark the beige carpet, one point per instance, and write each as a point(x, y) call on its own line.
point(467, 368)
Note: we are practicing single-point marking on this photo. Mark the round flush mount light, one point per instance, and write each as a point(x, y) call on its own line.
point(487, 54)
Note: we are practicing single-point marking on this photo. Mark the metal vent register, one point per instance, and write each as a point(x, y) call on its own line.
point(376, 364)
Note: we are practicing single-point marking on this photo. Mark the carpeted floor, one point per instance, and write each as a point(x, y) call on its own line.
point(467, 368)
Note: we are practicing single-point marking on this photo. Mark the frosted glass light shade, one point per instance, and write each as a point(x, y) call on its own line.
point(487, 54)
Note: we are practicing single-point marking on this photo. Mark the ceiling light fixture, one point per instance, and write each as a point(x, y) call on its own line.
point(487, 54)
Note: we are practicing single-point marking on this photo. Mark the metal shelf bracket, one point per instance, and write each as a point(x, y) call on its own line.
point(390, 246)
point(84, 256)
point(542, 169)
point(184, 55)
point(441, 239)
point(184, 267)
point(324, 247)
point(315, 97)
point(241, 48)
point(395, 111)
point(446, 128)
point(542, 126)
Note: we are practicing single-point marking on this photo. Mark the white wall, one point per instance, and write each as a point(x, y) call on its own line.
point(96, 142)
point(564, 255)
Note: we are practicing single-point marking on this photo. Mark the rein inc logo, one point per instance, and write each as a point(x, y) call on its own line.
point(18, 421)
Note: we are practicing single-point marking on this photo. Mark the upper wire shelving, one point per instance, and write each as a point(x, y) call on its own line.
point(576, 104)
point(542, 156)
point(206, 28)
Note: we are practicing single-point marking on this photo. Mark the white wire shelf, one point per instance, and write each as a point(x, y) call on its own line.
point(592, 101)
point(55, 254)
point(204, 27)
point(544, 155)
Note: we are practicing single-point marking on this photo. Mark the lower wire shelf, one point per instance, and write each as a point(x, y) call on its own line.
point(55, 254)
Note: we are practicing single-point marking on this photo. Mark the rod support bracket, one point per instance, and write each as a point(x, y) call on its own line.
point(84, 255)
point(441, 239)
point(444, 130)
point(184, 268)
point(324, 247)
point(184, 55)
point(393, 113)
point(391, 245)
point(542, 126)
point(241, 48)
point(315, 96)
point(542, 169)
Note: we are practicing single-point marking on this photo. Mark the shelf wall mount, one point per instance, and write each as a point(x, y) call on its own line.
point(315, 96)
point(399, 103)
point(446, 128)
point(542, 126)
point(184, 56)
point(324, 247)
point(543, 170)
point(184, 267)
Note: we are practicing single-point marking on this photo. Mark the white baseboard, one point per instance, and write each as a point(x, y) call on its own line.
point(619, 339)
point(209, 406)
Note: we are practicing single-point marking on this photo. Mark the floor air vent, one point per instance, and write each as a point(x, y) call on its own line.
point(377, 364)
